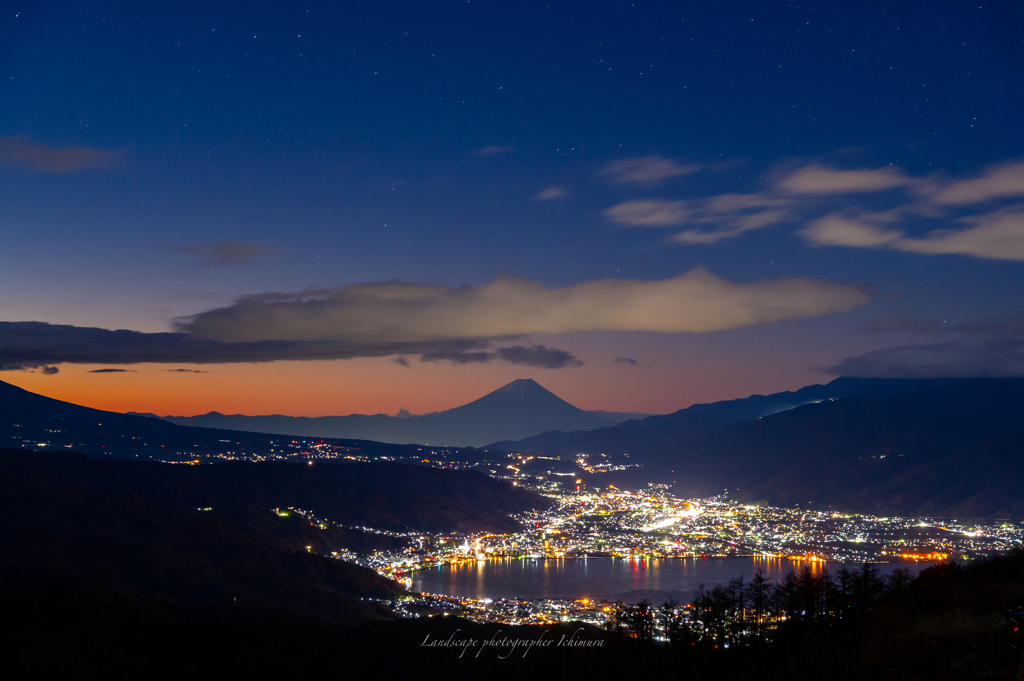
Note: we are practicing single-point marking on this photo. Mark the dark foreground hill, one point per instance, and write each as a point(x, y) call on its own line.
point(517, 410)
point(379, 494)
point(108, 567)
point(96, 530)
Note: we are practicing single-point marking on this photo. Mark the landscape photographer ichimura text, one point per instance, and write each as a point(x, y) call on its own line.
point(506, 646)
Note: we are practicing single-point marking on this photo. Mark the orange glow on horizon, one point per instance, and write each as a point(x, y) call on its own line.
point(661, 384)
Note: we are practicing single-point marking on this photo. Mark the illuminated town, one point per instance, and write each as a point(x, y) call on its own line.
point(651, 524)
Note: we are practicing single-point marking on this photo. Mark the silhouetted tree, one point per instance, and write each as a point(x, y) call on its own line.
point(867, 584)
point(845, 588)
point(899, 580)
point(672, 621)
point(758, 596)
point(641, 620)
point(617, 617)
point(789, 595)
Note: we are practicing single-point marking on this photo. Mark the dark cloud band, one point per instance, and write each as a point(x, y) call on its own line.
point(25, 345)
point(34, 345)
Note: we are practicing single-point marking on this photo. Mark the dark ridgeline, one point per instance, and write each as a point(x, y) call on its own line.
point(27, 419)
point(520, 409)
point(662, 434)
point(950, 451)
point(937, 447)
point(379, 494)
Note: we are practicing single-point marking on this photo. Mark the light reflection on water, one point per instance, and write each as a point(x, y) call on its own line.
point(610, 578)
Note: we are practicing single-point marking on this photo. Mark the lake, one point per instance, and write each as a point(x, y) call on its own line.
point(608, 578)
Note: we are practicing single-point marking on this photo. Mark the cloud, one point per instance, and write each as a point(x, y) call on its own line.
point(456, 357)
point(438, 322)
point(401, 361)
point(836, 230)
point(187, 371)
point(50, 371)
point(226, 252)
point(112, 371)
point(972, 357)
point(732, 227)
point(731, 203)
point(993, 347)
point(645, 170)
point(811, 194)
point(538, 356)
point(510, 306)
point(1005, 326)
point(816, 179)
point(626, 360)
point(997, 236)
point(729, 214)
point(19, 151)
point(495, 149)
point(28, 345)
point(998, 181)
point(649, 213)
point(551, 193)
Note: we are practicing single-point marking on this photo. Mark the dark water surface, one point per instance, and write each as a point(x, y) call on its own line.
point(610, 578)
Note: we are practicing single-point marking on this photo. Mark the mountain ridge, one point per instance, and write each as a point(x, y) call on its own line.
point(521, 408)
point(660, 431)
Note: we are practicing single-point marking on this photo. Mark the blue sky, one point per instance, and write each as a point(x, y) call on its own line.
point(162, 162)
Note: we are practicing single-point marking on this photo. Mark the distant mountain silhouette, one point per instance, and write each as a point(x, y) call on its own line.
point(517, 410)
point(31, 420)
point(954, 450)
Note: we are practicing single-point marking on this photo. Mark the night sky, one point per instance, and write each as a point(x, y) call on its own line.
point(326, 208)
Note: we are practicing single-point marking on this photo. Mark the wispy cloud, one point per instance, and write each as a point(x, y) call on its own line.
point(626, 360)
point(649, 213)
point(998, 235)
point(981, 217)
point(535, 356)
point(998, 181)
point(816, 179)
point(646, 170)
point(864, 231)
point(970, 357)
point(112, 371)
point(538, 356)
point(731, 226)
point(714, 218)
point(227, 252)
point(993, 348)
point(550, 193)
point(494, 149)
point(457, 357)
point(21, 152)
